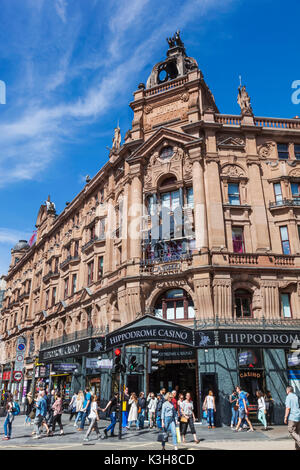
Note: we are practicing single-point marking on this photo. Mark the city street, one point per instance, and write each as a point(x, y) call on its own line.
point(219, 439)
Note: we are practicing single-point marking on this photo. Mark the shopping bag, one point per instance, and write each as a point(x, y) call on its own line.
point(178, 434)
point(163, 437)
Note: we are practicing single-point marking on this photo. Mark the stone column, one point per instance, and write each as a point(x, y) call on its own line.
point(135, 213)
point(215, 214)
point(259, 215)
point(222, 298)
point(200, 218)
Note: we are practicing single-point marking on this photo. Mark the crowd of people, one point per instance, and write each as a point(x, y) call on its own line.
point(168, 412)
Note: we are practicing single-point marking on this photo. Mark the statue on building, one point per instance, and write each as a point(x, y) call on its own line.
point(244, 101)
point(117, 139)
point(50, 205)
point(175, 40)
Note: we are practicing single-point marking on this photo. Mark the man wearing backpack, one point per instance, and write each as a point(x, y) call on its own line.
point(9, 418)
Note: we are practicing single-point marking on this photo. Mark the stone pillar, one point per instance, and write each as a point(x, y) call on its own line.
point(135, 213)
point(204, 305)
point(200, 218)
point(271, 307)
point(222, 297)
point(109, 245)
point(214, 206)
point(259, 215)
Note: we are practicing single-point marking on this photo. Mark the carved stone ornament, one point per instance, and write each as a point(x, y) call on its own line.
point(265, 150)
point(233, 171)
point(295, 173)
point(230, 141)
point(148, 180)
point(184, 97)
point(187, 167)
point(178, 154)
point(148, 109)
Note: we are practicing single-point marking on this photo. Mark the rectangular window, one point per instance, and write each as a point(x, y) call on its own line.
point(66, 288)
point(190, 198)
point(171, 200)
point(100, 267)
point(92, 232)
point(74, 283)
point(56, 265)
point(150, 205)
point(295, 189)
point(283, 151)
point(233, 194)
point(53, 296)
point(76, 248)
point(297, 152)
point(299, 231)
point(47, 299)
point(238, 240)
point(90, 273)
point(285, 306)
point(284, 234)
point(278, 193)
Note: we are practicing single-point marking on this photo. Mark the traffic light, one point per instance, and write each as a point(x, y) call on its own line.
point(133, 366)
point(117, 361)
point(153, 360)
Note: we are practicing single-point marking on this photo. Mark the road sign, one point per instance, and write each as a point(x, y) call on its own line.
point(17, 375)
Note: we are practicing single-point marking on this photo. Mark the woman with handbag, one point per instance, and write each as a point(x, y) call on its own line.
point(169, 420)
point(29, 406)
point(72, 406)
point(188, 418)
point(261, 409)
point(79, 407)
point(233, 400)
point(133, 412)
point(210, 406)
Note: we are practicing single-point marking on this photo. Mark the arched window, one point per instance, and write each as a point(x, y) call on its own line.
point(175, 304)
point(243, 303)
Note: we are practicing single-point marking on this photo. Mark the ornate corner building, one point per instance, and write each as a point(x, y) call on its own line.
point(191, 227)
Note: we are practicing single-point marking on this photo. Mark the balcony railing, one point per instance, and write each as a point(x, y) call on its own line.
point(165, 87)
point(219, 322)
point(165, 263)
point(277, 123)
point(285, 202)
point(50, 275)
point(254, 259)
point(68, 260)
point(228, 119)
point(77, 335)
point(243, 258)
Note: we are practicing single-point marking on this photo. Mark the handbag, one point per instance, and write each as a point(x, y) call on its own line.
point(183, 419)
point(32, 414)
point(163, 437)
point(139, 410)
point(236, 407)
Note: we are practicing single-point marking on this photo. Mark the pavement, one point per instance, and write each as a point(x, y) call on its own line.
point(222, 438)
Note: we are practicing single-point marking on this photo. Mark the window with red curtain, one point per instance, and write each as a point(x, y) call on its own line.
point(238, 240)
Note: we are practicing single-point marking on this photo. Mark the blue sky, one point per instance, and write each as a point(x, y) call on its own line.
point(71, 66)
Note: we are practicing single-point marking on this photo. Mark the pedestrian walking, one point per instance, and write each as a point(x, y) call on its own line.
point(174, 399)
point(188, 418)
point(9, 417)
point(151, 404)
point(142, 405)
point(133, 411)
point(50, 403)
point(233, 400)
point(79, 407)
point(93, 418)
point(125, 411)
point(243, 410)
point(112, 407)
point(209, 406)
point(29, 406)
point(57, 408)
point(292, 415)
point(160, 402)
point(269, 408)
point(169, 419)
point(180, 411)
point(72, 406)
point(262, 412)
point(40, 416)
point(86, 408)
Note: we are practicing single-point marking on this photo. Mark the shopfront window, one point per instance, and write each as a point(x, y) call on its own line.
point(175, 304)
point(251, 372)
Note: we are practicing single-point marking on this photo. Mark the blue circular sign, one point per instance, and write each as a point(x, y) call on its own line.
point(21, 347)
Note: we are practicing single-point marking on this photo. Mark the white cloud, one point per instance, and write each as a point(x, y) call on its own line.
point(61, 7)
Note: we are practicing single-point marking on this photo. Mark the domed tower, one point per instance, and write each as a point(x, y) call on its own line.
point(175, 94)
point(18, 251)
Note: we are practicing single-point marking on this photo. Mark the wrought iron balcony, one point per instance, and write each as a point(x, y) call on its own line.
point(77, 335)
point(68, 260)
point(235, 322)
point(50, 275)
point(295, 202)
point(165, 263)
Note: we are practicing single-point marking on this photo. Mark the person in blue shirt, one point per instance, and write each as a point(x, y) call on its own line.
point(292, 415)
point(243, 410)
point(86, 408)
point(40, 415)
point(169, 419)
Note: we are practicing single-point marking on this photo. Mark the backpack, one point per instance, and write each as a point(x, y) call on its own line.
point(16, 409)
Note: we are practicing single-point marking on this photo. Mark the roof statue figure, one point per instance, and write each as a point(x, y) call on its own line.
point(243, 100)
point(117, 139)
point(50, 205)
point(175, 40)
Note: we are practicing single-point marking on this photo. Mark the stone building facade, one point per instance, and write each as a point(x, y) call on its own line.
point(194, 219)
